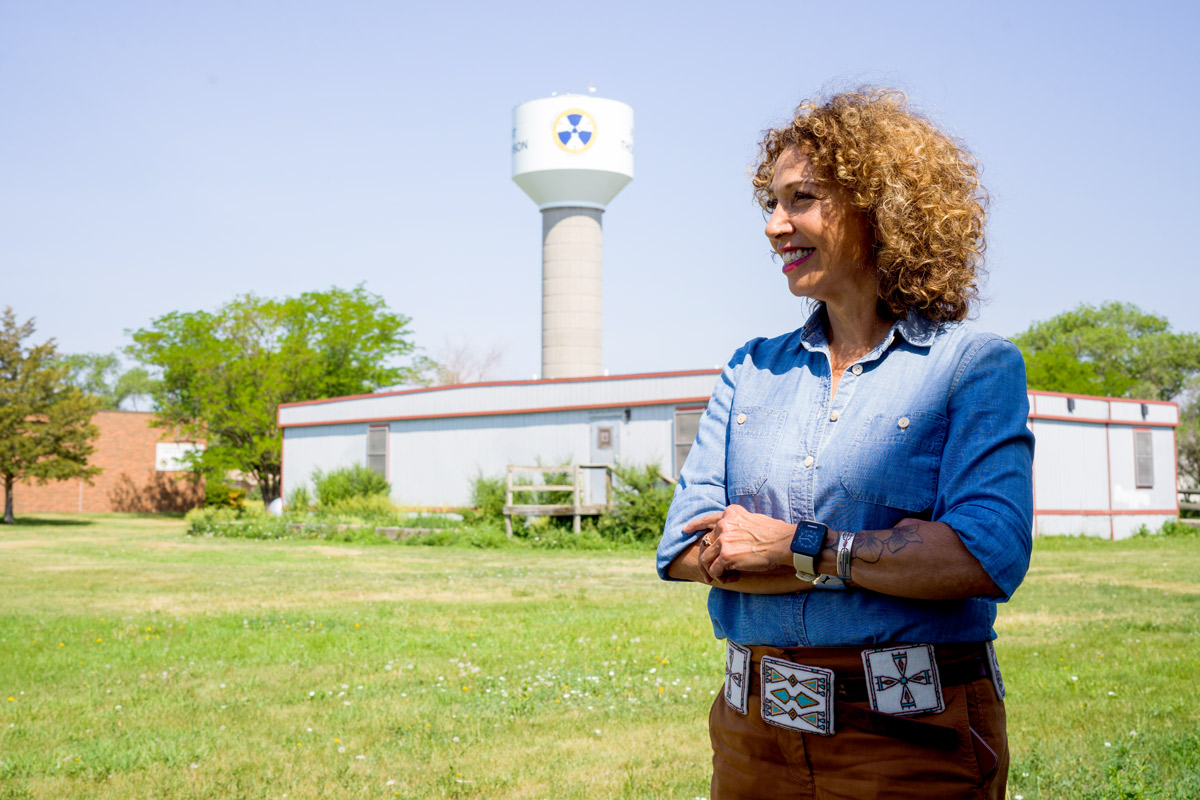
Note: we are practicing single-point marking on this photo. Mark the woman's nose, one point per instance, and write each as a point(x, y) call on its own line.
point(778, 224)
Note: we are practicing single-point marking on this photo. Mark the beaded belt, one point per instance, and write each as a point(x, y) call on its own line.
point(896, 682)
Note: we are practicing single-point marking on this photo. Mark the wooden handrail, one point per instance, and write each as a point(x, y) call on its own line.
point(533, 487)
point(575, 508)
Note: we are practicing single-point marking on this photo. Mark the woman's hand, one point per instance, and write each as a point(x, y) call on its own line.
point(738, 541)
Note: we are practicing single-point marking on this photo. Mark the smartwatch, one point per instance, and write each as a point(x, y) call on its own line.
point(807, 542)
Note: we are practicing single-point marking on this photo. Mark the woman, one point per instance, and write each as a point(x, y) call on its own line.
point(859, 494)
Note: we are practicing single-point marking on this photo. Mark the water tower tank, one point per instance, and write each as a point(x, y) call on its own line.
point(572, 154)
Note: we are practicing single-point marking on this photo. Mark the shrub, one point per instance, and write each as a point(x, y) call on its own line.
point(220, 521)
point(484, 535)
point(346, 482)
point(376, 509)
point(641, 498)
point(561, 537)
point(1170, 528)
point(299, 500)
point(219, 494)
point(487, 499)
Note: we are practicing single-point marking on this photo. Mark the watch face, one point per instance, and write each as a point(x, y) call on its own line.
point(809, 538)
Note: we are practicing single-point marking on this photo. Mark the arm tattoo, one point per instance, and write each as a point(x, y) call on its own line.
point(870, 546)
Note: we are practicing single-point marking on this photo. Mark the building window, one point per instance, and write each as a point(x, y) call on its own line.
point(377, 436)
point(687, 421)
point(1143, 455)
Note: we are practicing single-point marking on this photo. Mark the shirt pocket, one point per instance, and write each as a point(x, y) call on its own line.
point(754, 432)
point(895, 460)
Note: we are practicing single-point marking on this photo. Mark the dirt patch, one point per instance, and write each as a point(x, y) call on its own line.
point(1043, 620)
point(17, 544)
point(329, 550)
point(102, 541)
point(1170, 587)
point(72, 567)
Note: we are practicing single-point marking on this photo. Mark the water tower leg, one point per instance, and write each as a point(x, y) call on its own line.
point(572, 249)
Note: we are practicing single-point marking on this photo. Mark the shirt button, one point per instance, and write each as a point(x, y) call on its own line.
point(741, 418)
point(856, 369)
point(903, 422)
point(833, 416)
point(808, 462)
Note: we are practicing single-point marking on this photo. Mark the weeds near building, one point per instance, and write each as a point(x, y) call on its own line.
point(352, 504)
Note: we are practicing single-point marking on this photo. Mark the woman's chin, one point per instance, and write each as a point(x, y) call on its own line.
point(800, 290)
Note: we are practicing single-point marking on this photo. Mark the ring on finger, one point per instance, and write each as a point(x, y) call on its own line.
point(707, 541)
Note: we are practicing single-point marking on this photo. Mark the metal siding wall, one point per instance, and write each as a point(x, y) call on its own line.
point(1072, 466)
point(1126, 411)
point(1074, 525)
point(1125, 493)
point(327, 447)
point(1085, 408)
point(432, 462)
point(646, 438)
point(1164, 494)
point(441, 457)
point(1164, 414)
point(1126, 525)
point(467, 399)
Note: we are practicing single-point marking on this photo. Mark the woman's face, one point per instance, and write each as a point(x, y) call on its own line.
point(825, 243)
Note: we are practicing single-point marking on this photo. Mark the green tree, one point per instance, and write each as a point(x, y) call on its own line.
point(46, 432)
point(1114, 350)
point(224, 373)
point(1187, 437)
point(100, 375)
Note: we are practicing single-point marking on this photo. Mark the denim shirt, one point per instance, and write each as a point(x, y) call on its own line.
point(932, 423)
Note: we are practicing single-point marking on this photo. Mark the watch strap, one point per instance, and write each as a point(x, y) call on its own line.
point(806, 567)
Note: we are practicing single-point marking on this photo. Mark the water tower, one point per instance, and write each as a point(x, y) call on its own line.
point(571, 155)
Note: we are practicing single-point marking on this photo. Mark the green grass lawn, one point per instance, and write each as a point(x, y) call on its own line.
point(136, 662)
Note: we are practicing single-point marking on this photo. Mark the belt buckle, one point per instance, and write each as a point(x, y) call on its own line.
point(796, 696)
point(737, 676)
point(903, 680)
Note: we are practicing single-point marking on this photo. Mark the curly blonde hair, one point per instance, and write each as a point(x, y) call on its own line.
point(917, 186)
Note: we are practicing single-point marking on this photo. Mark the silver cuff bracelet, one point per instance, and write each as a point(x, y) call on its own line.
point(845, 542)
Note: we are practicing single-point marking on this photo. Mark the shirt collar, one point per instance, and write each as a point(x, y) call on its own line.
point(916, 328)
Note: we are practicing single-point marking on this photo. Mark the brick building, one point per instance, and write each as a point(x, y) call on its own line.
point(141, 473)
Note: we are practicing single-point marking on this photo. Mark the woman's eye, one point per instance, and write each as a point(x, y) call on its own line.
point(800, 197)
point(770, 205)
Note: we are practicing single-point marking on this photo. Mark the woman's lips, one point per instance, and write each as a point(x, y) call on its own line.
point(801, 255)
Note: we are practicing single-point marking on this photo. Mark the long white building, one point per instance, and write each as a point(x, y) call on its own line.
point(431, 443)
point(1102, 467)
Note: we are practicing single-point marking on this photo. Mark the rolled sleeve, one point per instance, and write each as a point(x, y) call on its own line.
point(701, 486)
point(985, 485)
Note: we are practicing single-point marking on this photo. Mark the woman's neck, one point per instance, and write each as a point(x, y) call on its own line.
point(853, 332)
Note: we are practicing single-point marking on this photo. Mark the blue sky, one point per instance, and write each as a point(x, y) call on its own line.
point(168, 156)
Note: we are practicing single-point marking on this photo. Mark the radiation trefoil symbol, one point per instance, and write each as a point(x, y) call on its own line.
point(574, 130)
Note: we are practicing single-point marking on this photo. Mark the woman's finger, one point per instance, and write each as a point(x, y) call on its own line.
point(705, 522)
point(717, 564)
point(704, 573)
